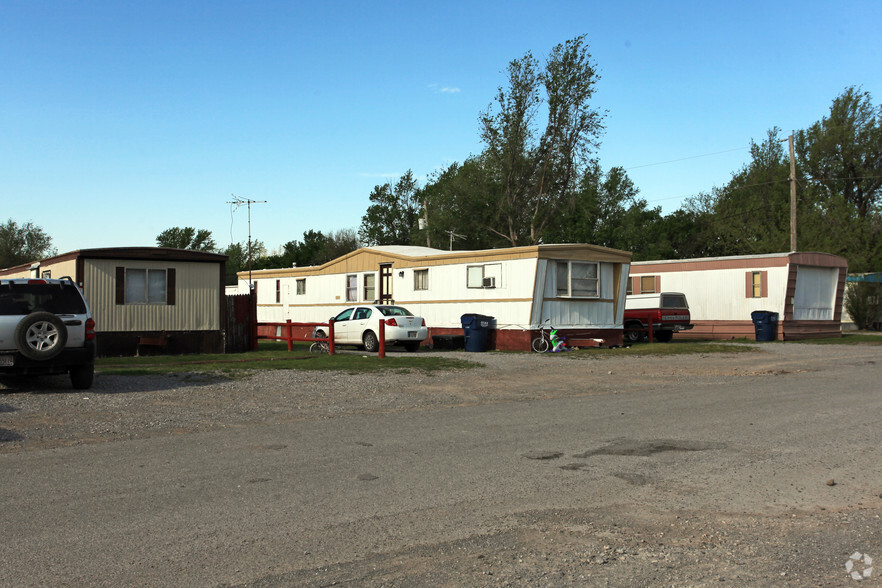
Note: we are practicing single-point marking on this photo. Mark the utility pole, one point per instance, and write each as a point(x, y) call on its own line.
point(239, 202)
point(425, 223)
point(792, 195)
point(452, 236)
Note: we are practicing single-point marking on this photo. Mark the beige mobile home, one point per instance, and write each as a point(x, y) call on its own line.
point(145, 299)
point(579, 288)
point(804, 289)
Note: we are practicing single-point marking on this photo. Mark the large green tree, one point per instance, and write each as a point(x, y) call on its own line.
point(187, 238)
point(537, 173)
point(393, 214)
point(23, 243)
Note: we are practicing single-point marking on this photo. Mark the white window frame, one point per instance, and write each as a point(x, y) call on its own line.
point(301, 286)
point(421, 279)
point(370, 287)
point(566, 290)
point(351, 287)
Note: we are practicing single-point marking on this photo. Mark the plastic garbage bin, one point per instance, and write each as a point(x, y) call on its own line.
point(765, 324)
point(475, 328)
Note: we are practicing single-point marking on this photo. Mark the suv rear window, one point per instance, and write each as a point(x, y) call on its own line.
point(673, 301)
point(22, 299)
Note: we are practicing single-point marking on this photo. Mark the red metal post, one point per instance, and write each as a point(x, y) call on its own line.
point(331, 337)
point(382, 329)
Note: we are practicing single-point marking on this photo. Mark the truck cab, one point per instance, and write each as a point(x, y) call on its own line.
point(666, 312)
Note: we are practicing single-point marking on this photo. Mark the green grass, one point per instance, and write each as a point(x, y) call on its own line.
point(673, 348)
point(273, 356)
point(849, 339)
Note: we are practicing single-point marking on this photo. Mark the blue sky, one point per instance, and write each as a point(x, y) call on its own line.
point(121, 119)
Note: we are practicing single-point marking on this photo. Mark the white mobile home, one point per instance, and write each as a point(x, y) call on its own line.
point(580, 288)
point(804, 289)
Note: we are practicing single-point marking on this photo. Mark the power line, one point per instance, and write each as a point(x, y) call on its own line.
point(686, 158)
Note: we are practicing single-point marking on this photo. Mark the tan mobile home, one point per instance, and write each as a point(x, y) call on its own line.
point(579, 288)
point(145, 299)
point(804, 289)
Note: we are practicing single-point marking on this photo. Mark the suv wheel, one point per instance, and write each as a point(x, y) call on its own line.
point(40, 336)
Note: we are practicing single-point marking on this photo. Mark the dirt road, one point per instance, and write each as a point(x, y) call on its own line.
point(747, 469)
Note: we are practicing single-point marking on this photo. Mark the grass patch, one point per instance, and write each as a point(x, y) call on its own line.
point(272, 355)
point(672, 348)
point(848, 339)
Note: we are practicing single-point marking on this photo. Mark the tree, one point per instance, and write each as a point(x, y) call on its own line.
point(842, 153)
point(23, 243)
point(187, 238)
point(538, 177)
point(393, 214)
point(751, 214)
point(237, 259)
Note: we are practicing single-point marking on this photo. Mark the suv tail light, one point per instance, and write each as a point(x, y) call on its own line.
point(391, 322)
point(90, 329)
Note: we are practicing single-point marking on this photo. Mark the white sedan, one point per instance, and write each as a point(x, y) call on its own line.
point(360, 325)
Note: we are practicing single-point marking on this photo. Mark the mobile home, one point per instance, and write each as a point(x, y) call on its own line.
point(578, 288)
point(145, 299)
point(804, 289)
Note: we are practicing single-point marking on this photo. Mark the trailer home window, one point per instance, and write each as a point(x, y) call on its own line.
point(145, 286)
point(577, 279)
point(301, 286)
point(421, 279)
point(351, 288)
point(370, 288)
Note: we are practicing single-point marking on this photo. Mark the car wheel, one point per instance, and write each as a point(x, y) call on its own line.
point(371, 343)
point(40, 336)
point(633, 336)
point(412, 346)
point(81, 376)
point(664, 336)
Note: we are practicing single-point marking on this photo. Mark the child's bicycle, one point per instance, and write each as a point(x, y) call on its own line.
point(319, 346)
point(542, 343)
point(548, 339)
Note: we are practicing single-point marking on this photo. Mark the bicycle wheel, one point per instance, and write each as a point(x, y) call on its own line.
point(319, 347)
point(540, 344)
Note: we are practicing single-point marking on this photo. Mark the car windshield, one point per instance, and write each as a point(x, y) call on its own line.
point(20, 299)
point(394, 311)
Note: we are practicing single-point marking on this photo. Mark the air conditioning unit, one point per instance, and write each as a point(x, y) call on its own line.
point(489, 282)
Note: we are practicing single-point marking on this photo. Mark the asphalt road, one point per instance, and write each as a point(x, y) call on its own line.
point(265, 503)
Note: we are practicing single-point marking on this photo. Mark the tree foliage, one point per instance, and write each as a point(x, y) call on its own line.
point(187, 238)
point(23, 243)
point(392, 216)
point(536, 175)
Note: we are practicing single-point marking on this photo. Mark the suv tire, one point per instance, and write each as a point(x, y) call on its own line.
point(40, 336)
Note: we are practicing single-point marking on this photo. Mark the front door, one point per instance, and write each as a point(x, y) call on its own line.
point(385, 283)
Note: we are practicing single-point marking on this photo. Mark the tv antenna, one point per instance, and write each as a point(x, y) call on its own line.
point(237, 202)
point(454, 236)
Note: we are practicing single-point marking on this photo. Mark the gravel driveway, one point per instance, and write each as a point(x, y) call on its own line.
point(795, 529)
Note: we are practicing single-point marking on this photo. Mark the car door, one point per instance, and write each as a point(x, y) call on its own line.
point(360, 323)
point(341, 326)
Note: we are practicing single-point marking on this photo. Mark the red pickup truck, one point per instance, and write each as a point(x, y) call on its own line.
point(667, 312)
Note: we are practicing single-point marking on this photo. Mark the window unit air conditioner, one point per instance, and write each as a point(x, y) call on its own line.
point(489, 282)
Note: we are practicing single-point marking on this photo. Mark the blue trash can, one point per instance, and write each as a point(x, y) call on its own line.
point(475, 328)
point(765, 324)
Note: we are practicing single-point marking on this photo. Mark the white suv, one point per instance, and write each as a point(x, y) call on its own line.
point(46, 327)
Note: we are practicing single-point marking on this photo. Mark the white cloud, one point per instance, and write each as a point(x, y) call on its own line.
point(444, 89)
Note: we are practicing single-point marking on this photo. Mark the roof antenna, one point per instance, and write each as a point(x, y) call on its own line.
point(248, 202)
